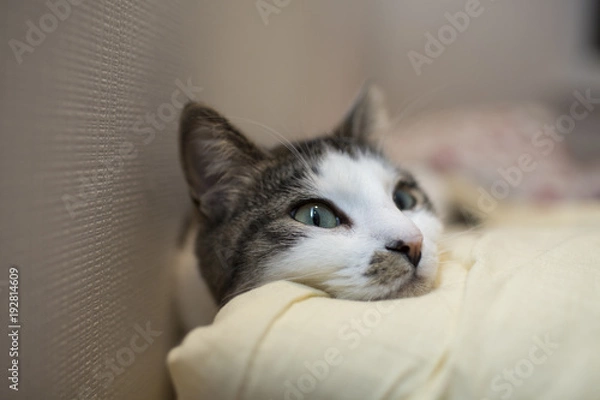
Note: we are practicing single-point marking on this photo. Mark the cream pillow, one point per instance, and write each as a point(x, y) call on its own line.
point(516, 315)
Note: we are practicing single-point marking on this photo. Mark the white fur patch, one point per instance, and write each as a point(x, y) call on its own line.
point(336, 260)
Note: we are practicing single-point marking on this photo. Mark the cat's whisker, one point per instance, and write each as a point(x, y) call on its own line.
point(277, 219)
point(414, 102)
point(298, 278)
point(446, 238)
point(404, 109)
point(278, 136)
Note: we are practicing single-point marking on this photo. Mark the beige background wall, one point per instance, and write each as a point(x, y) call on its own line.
point(73, 130)
point(513, 50)
point(88, 277)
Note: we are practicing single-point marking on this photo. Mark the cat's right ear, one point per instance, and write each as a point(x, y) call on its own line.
point(216, 159)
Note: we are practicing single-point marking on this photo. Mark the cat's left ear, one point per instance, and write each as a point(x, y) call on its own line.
point(367, 115)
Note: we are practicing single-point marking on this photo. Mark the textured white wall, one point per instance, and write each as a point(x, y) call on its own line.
point(298, 73)
point(295, 75)
point(91, 196)
point(90, 275)
point(512, 50)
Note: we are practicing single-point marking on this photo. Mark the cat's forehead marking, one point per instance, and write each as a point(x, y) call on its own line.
point(341, 176)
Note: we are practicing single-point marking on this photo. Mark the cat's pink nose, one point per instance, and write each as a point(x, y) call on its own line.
point(411, 249)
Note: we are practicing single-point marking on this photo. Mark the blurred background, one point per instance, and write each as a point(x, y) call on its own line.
point(91, 193)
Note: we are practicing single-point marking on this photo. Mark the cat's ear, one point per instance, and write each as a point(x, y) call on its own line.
point(216, 159)
point(367, 115)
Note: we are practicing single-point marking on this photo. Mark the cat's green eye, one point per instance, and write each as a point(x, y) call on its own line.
point(404, 199)
point(316, 214)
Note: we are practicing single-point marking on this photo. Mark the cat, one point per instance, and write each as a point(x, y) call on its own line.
point(331, 212)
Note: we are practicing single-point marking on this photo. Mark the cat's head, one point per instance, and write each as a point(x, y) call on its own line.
point(332, 213)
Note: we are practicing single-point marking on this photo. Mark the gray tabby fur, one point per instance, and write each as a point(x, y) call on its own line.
point(244, 196)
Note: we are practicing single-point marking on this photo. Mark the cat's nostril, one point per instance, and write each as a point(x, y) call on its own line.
point(412, 251)
point(398, 246)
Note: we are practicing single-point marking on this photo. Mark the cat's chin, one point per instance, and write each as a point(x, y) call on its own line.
point(413, 286)
point(416, 286)
point(391, 276)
